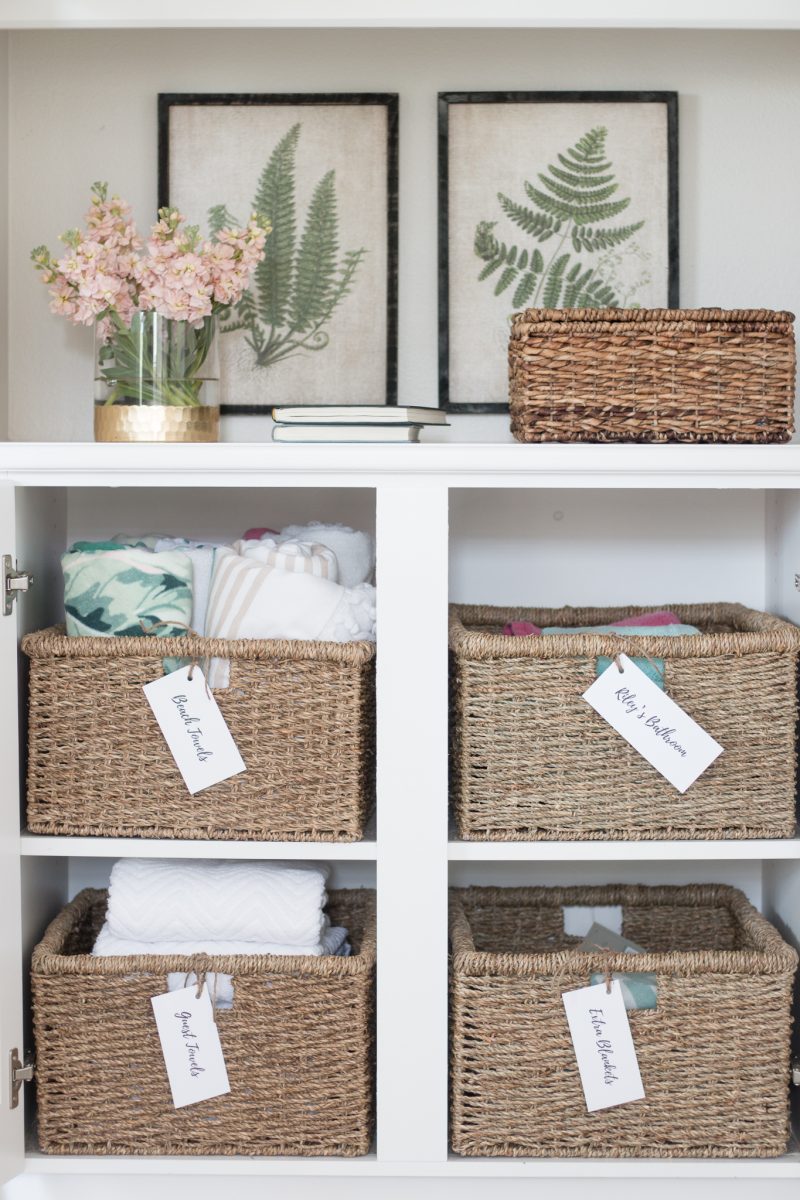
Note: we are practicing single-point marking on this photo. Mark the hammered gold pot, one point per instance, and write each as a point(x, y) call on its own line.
point(155, 423)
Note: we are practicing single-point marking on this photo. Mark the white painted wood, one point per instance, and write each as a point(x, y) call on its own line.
point(41, 846)
point(155, 14)
point(755, 850)
point(452, 1167)
point(263, 465)
point(11, 1033)
point(599, 546)
point(412, 824)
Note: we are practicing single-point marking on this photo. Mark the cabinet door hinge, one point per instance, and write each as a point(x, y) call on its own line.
point(13, 582)
point(796, 1072)
point(18, 1073)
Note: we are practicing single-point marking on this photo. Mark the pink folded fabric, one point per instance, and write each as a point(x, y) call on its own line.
point(654, 618)
point(521, 629)
point(255, 535)
point(662, 617)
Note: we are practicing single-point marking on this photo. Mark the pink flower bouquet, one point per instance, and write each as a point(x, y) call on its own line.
point(154, 303)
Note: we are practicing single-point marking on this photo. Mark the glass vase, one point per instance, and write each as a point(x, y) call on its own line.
point(156, 380)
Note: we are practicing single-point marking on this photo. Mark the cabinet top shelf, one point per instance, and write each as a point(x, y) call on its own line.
point(620, 14)
point(254, 464)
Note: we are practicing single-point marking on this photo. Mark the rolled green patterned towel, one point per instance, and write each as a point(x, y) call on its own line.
point(111, 592)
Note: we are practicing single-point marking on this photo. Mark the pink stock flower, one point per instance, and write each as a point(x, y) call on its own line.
point(107, 269)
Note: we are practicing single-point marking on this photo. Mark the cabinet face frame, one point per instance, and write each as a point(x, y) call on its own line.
point(411, 508)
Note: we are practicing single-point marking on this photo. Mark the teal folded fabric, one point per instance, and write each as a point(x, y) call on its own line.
point(639, 988)
point(110, 592)
point(653, 668)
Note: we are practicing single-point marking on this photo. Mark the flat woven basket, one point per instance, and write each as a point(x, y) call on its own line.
point(297, 1045)
point(530, 760)
point(301, 714)
point(652, 375)
point(714, 1054)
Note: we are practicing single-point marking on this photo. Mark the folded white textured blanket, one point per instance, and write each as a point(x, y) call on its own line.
point(270, 590)
point(354, 550)
point(108, 943)
point(155, 900)
point(202, 555)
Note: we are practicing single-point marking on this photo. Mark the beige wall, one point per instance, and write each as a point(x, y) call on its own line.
point(83, 107)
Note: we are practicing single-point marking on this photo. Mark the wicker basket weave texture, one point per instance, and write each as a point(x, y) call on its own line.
point(297, 1045)
point(301, 713)
point(531, 760)
point(652, 375)
point(714, 1054)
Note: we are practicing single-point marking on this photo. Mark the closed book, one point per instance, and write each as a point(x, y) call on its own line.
point(358, 414)
point(346, 433)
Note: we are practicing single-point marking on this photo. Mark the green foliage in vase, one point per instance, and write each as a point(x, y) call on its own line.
point(299, 284)
point(571, 206)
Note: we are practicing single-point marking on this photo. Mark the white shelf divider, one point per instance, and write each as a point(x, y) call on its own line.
point(412, 537)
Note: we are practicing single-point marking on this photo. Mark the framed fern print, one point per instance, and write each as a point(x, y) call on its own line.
point(548, 200)
point(319, 323)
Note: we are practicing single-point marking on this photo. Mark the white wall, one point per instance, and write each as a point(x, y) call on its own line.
point(83, 107)
point(4, 189)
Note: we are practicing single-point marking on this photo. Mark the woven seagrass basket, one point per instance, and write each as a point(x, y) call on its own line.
point(301, 714)
point(530, 760)
point(297, 1045)
point(652, 375)
point(713, 1054)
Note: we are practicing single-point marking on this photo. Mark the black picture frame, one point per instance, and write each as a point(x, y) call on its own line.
point(168, 100)
point(445, 100)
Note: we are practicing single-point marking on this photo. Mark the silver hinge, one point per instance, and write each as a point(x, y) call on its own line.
point(13, 583)
point(18, 1073)
point(796, 1072)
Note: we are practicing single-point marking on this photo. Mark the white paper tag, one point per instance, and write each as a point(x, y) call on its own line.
point(190, 1043)
point(652, 723)
point(194, 729)
point(601, 1035)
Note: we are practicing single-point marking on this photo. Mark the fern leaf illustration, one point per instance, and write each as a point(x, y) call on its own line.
point(582, 167)
point(220, 217)
point(275, 199)
point(534, 224)
point(577, 180)
point(525, 289)
point(316, 258)
point(575, 285)
point(508, 276)
point(603, 239)
point(552, 287)
point(577, 195)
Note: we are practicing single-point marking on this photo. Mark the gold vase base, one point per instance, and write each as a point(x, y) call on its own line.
point(155, 423)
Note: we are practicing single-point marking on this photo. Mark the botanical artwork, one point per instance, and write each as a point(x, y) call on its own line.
point(571, 205)
point(547, 204)
point(299, 284)
point(317, 323)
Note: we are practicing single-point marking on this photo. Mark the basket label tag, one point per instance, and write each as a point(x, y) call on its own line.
point(601, 1036)
point(652, 723)
point(194, 729)
point(190, 1044)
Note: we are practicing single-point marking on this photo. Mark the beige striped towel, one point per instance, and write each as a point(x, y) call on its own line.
point(266, 590)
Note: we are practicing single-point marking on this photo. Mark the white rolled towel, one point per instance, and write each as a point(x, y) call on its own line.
point(354, 550)
point(202, 555)
point(171, 900)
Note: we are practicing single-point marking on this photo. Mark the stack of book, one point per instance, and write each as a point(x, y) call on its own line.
point(353, 423)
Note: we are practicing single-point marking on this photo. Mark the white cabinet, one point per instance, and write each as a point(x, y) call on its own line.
point(491, 524)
